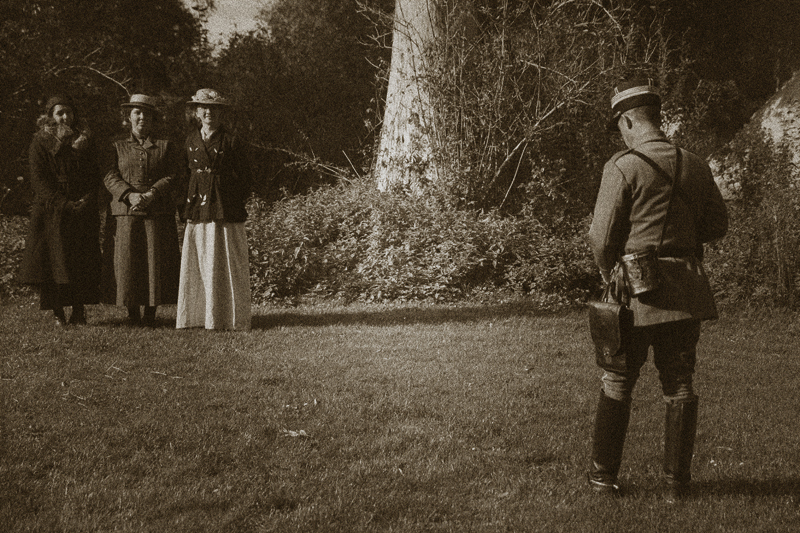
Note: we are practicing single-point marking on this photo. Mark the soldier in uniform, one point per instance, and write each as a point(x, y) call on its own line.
point(658, 198)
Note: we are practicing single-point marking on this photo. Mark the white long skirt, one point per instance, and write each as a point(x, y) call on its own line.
point(214, 290)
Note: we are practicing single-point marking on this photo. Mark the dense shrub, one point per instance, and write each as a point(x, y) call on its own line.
point(305, 243)
point(759, 260)
point(357, 243)
point(12, 243)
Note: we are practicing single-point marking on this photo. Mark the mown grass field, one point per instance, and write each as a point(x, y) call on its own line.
point(372, 418)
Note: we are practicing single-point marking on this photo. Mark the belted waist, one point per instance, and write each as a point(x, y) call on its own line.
point(676, 252)
point(668, 251)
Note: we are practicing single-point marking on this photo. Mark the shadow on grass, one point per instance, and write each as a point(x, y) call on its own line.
point(122, 323)
point(750, 487)
point(401, 316)
point(344, 316)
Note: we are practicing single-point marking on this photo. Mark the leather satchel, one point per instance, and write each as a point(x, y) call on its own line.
point(611, 326)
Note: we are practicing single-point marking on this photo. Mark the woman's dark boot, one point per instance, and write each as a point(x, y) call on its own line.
point(78, 316)
point(610, 427)
point(134, 318)
point(61, 319)
point(680, 428)
point(149, 316)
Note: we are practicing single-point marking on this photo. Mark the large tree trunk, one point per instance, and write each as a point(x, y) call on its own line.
point(405, 156)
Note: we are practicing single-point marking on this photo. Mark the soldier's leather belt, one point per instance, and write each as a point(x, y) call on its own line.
point(675, 252)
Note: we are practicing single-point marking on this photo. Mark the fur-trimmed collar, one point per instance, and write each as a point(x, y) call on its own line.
point(49, 139)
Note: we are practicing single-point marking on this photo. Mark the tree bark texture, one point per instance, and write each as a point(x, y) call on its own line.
point(405, 156)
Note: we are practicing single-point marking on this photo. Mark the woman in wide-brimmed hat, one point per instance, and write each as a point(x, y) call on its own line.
point(62, 251)
point(142, 182)
point(215, 270)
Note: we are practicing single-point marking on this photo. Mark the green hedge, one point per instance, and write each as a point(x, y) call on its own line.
point(355, 242)
point(758, 261)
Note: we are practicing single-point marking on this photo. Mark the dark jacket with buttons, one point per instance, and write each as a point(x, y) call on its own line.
point(155, 165)
point(219, 178)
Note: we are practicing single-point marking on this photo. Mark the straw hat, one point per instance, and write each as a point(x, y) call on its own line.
point(142, 101)
point(208, 97)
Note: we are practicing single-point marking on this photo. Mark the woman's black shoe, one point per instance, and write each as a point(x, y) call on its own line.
point(61, 319)
point(78, 316)
point(134, 318)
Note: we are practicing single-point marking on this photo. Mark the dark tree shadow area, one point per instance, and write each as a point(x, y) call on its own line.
point(401, 315)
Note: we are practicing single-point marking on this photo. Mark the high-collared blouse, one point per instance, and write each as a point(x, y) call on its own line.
point(152, 165)
point(219, 178)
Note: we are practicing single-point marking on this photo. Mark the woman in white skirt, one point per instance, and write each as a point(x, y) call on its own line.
point(214, 290)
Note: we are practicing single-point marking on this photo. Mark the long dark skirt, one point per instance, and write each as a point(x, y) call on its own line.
point(146, 260)
point(62, 257)
point(58, 295)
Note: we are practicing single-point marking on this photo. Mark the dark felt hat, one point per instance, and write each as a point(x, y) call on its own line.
point(630, 94)
point(142, 101)
point(58, 99)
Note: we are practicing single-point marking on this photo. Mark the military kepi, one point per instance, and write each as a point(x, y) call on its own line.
point(629, 94)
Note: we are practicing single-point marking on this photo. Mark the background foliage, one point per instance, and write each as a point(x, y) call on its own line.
point(759, 260)
point(97, 52)
point(521, 90)
point(727, 58)
point(310, 82)
point(354, 242)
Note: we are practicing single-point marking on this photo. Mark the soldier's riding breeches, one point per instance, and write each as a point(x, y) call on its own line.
point(674, 353)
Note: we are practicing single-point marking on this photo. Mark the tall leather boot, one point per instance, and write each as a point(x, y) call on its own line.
point(680, 427)
point(610, 427)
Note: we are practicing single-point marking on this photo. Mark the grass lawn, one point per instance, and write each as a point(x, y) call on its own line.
point(372, 418)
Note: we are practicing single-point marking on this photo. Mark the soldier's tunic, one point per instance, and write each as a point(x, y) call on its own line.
point(628, 218)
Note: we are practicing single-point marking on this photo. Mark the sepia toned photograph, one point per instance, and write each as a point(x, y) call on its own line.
point(399, 266)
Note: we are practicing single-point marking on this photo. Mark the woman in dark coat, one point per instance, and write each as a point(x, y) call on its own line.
point(142, 182)
point(215, 265)
point(62, 252)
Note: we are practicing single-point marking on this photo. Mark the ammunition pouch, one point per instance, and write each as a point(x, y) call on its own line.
point(642, 271)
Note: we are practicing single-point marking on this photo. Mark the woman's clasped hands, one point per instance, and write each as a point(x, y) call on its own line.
point(140, 201)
